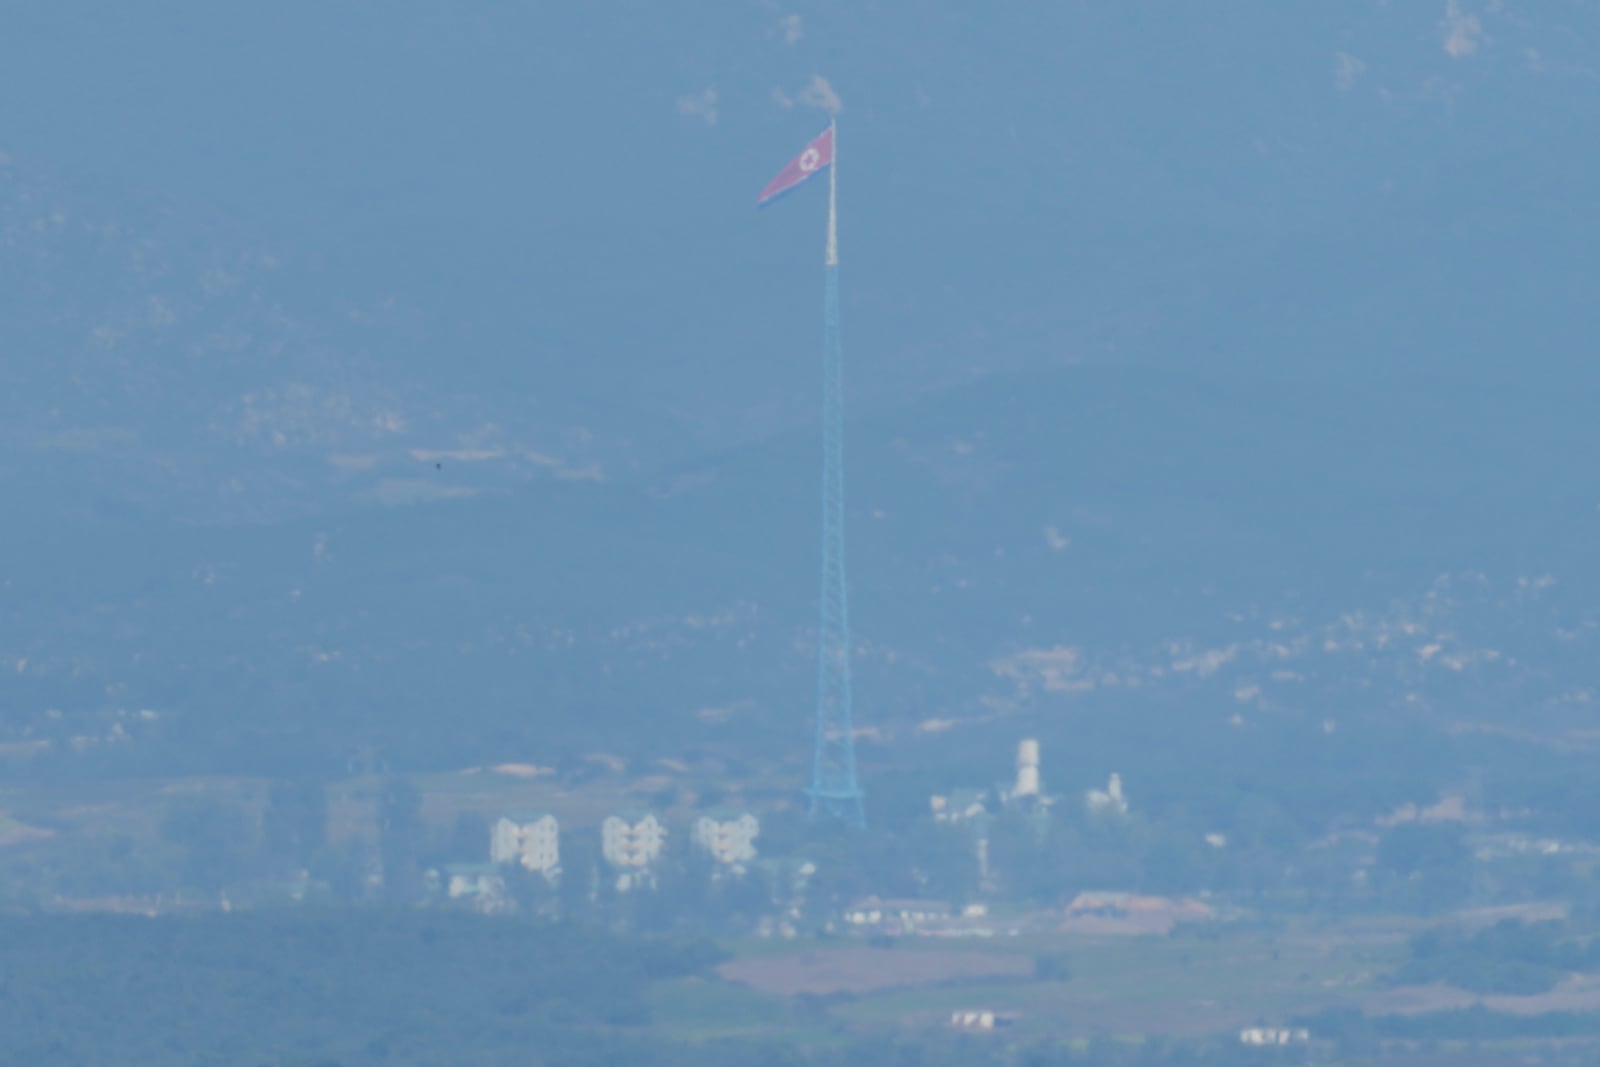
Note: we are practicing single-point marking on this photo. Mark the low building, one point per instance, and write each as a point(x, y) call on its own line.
point(1260, 1035)
point(1100, 902)
point(1130, 913)
point(897, 915)
point(728, 837)
point(474, 881)
point(1111, 801)
point(982, 1020)
point(532, 839)
point(632, 841)
point(961, 805)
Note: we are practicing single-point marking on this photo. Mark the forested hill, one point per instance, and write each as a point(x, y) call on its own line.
point(1197, 534)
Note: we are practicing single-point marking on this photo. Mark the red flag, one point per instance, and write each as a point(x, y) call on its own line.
point(818, 154)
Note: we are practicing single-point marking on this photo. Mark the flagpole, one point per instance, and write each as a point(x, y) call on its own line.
point(833, 198)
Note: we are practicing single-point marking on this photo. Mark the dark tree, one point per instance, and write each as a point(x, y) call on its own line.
point(743, 897)
point(400, 839)
point(294, 825)
point(1426, 868)
point(469, 837)
point(580, 861)
point(531, 890)
point(344, 869)
point(216, 836)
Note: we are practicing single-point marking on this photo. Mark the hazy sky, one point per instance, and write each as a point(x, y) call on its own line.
point(1033, 182)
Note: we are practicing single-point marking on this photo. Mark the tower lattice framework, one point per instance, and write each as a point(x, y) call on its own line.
point(834, 790)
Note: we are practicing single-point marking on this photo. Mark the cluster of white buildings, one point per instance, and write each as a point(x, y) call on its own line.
point(970, 808)
point(975, 809)
point(1023, 793)
point(635, 841)
point(632, 844)
point(973, 805)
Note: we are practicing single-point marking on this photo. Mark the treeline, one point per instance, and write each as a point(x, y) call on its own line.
point(348, 987)
point(1510, 957)
point(1355, 1034)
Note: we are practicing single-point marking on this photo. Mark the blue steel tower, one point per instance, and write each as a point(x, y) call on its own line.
point(834, 790)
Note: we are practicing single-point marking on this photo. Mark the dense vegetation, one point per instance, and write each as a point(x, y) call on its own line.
point(335, 987)
point(1370, 1039)
point(1509, 957)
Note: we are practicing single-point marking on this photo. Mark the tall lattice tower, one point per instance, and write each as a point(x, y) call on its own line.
point(834, 790)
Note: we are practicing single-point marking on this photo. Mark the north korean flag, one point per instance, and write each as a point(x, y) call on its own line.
point(818, 155)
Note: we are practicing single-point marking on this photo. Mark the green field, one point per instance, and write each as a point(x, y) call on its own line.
point(1182, 985)
point(697, 1009)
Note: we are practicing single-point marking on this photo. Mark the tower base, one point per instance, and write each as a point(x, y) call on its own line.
point(845, 805)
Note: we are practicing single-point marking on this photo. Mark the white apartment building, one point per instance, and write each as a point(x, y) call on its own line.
point(531, 839)
point(632, 842)
point(729, 837)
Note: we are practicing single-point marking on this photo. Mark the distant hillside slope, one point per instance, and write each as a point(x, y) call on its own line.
point(1026, 537)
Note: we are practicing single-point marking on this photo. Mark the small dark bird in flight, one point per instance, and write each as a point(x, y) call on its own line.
point(438, 466)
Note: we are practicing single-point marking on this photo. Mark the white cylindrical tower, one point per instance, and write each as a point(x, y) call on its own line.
point(1027, 768)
